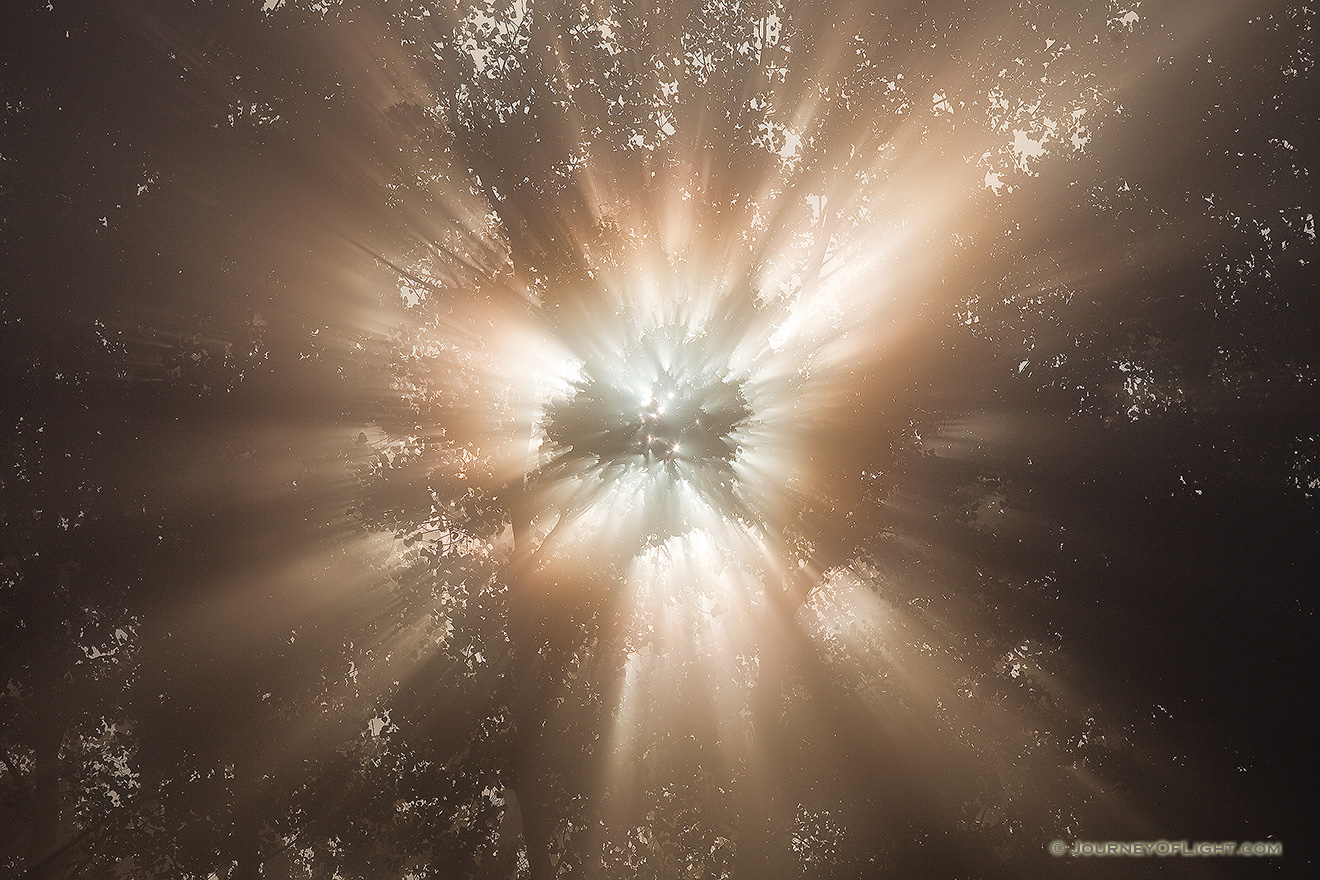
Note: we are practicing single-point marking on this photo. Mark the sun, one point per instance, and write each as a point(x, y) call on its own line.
point(655, 404)
point(651, 432)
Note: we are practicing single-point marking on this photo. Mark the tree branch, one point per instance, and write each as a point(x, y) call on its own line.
point(18, 776)
point(48, 861)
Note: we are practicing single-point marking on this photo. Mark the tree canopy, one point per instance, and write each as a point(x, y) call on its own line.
point(713, 439)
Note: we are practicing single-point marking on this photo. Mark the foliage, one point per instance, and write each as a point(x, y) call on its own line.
point(272, 599)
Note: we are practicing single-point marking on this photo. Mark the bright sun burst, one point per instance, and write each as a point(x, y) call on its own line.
point(680, 420)
point(667, 414)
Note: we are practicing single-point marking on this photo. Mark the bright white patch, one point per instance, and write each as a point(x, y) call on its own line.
point(381, 724)
point(792, 144)
point(1026, 150)
point(1126, 20)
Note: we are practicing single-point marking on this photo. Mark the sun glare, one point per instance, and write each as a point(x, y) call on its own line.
point(642, 440)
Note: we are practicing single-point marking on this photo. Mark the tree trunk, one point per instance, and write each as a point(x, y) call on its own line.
point(43, 847)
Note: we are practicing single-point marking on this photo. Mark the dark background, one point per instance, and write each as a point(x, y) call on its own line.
point(203, 211)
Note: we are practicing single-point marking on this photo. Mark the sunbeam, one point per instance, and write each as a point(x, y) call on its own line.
point(738, 439)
